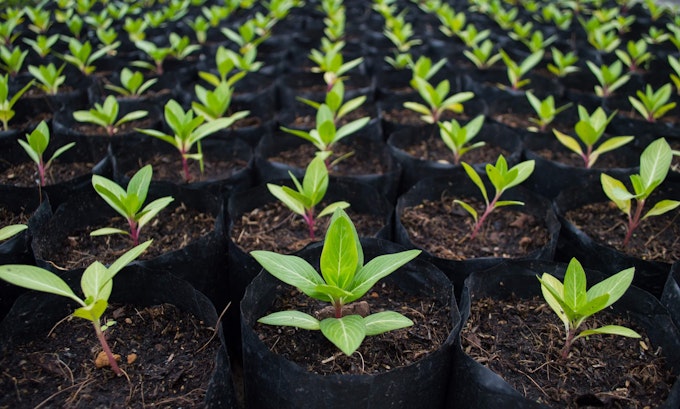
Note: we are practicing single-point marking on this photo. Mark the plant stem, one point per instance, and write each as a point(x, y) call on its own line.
point(567, 345)
point(109, 355)
point(634, 221)
point(41, 172)
point(309, 219)
point(134, 232)
point(489, 208)
point(185, 167)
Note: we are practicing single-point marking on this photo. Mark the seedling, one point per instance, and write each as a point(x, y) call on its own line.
point(651, 104)
point(12, 61)
point(6, 105)
point(82, 57)
point(49, 77)
point(96, 285)
point(655, 162)
point(675, 75)
point(457, 137)
point(452, 22)
point(545, 109)
point(471, 36)
point(437, 99)
point(189, 130)
point(200, 27)
point(330, 62)
point(106, 115)
point(610, 77)
point(132, 83)
point(636, 57)
point(225, 62)
point(603, 40)
point(483, 55)
point(502, 179)
point(573, 304)
point(589, 130)
point(309, 193)
point(128, 203)
point(12, 230)
point(425, 69)
point(157, 54)
point(135, 28)
point(335, 101)
point(564, 64)
point(516, 72)
point(181, 47)
point(35, 146)
point(326, 134)
point(213, 104)
point(344, 278)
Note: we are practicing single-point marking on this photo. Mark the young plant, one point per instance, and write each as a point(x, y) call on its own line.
point(335, 101)
point(675, 75)
point(516, 72)
point(128, 203)
point(457, 137)
point(12, 230)
point(35, 146)
point(326, 134)
point(589, 130)
point(653, 105)
point(471, 36)
point(82, 57)
point(157, 54)
point(573, 304)
point(6, 105)
point(106, 115)
point(603, 40)
point(309, 193)
point(214, 104)
point(655, 162)
point(132, 83)
point(135, 29)
point(610, 77)
point(636, 56)
point(563, 64)
point(344, 278)
point(48, 77)
point(545, 109)
point(330, 62)
point(483, 56)
point(188, 130)
point(437, 99)
point(502, 179)
point(12, 61)
point(42, 45)
point(96, 285)
point(181, 46)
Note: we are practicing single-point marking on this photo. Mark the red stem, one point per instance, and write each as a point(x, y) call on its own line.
point(489, 208)
point(185, 167)
point(107, 350)
point(567, 345)
point(634, 221)
point(41, 172)
point(309, 219)
point(134, 232)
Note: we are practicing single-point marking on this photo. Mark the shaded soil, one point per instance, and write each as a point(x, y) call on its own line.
point(522, 121)
point(443, 229)
point(275, 228)
point(171, 230)
point(26, 174)
point(657, 238)
point(8, 217)
point(403, 116)
point(362, 162)
point(309, 121)
point(168, 168)
point(435, 150)
point(521, 341)
point(162, 353)
point(124, 129)
point(380, 353)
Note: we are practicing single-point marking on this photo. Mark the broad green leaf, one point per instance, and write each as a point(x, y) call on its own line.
point(524, 170)
point(468, 209)
point(315, 183)
point(128, 257)
point(351, 128)
point(291, 319)
point(60, 151)
point(132, 116)
point(294, 205)
point(139, 183)
point(574, 285)
point(30, 151)
point(105, 231)
point(655, 162)
point(334, 293)
point(419, 108)
point(613, 143)
point(339, 257)
point(38, 279)
point(377, 269)
point(558, 288)
point(92, 312)
point(610, 330)
point(614, 286)
point(331, 208)
point(11, 230)
point(346, 333)
point(212, 127)
point(569, 142)
point(159, 135)
point(474, 177)
point(558, 295)
point(151, 210)
point(385, 321)
point(93, 282)
point(592, 306)
point(616, 192)
point(292, 270)
point(662, 207)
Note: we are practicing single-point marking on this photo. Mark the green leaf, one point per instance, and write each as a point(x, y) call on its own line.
point(151, 210)
point(385, 321)
point(11, 230)
point(291, 319)
point(468, 209)
point(96, 282)
point(92, 312)
point(38, 279)
point(662, 207)
point(616, 192)
point(474, 177)
point(128, 257)
point(610, 330)
point(523, 171)
point(339, 257)
point(331, 208)
point(292, 270)
point(592, 306)
point(502, 203)
point(614, 286)
point(613, 143)
point(655, 162)
point(315, 182)
point(334, 293)
point(295, 205)
point(558, 295)
point(574, 285)
point(346, 333)
point(569, 142)
point(105, 231)
point(139, 184)
point(377, 269)
point(557, 287)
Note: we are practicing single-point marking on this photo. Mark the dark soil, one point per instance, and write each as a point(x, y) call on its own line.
point(168, 167)
point(657, 238)
point(363, 161)
point(162, 353)
point(8, 217)
point(171, 230)
point(443, 229)
point(403, 116)
point(521, 121)
point(380, 353)
point(26, 174)
point(435, 150)
point(309, 121)
point(521, 340)
point(275, 228)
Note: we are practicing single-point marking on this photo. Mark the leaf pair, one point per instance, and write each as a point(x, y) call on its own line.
point(437, 99)
point(344, 278)
point(456, 137)
point(35, 146)
point(106, 115)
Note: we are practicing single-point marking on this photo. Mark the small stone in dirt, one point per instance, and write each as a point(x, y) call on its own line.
point(131, 358)
point(103, 361)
